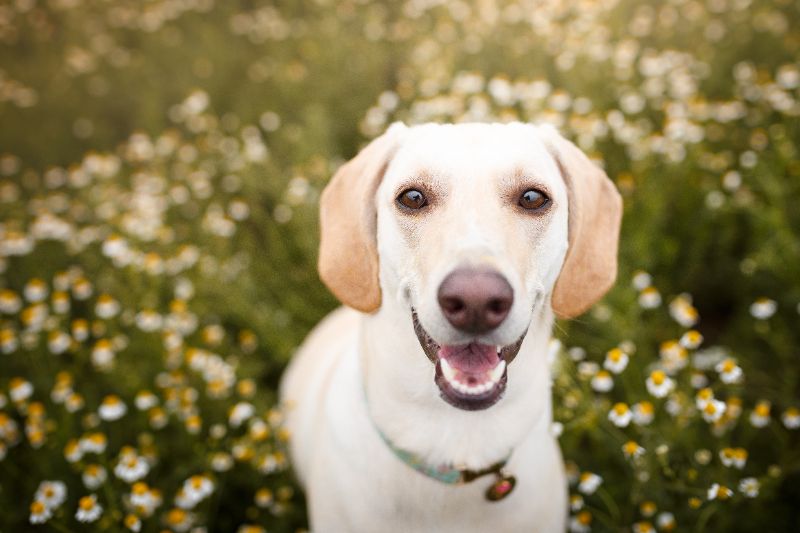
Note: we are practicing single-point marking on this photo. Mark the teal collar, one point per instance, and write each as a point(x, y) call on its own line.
point(445, 473)
point(503, 485)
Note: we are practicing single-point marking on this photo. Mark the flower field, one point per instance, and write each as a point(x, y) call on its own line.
point(160, 168)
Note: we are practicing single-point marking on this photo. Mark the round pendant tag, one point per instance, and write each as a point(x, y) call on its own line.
point(501, 488)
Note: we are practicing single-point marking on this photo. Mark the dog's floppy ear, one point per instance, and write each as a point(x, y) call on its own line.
point(595, 214)
point(348, 252)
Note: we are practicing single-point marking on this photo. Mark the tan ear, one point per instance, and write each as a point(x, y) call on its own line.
point(595, 214)
point(348, 253)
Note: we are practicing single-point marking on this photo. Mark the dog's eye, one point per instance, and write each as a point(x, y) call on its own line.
point(412, 199)
point(533, 200)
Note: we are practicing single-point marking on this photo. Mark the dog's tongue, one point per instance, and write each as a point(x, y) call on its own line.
point(472, 358)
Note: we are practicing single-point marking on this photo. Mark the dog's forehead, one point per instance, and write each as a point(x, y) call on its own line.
point(462, 151)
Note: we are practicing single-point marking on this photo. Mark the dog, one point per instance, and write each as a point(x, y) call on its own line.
point(424, 404)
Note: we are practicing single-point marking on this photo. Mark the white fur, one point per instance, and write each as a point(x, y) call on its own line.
point(358, 371)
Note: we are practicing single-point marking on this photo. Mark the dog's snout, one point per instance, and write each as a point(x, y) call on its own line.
point(475, 301)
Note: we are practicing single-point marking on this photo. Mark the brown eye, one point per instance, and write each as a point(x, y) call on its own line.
point(533, 200)
point(412, 199)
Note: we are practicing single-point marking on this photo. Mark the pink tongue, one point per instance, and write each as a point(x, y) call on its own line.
point(472, 358)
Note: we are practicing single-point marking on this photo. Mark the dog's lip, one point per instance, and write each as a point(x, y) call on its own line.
point(460, 399)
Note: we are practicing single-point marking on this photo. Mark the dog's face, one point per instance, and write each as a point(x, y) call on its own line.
point(466, 228)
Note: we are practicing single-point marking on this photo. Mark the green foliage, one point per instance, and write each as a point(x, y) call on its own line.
point(160, 167)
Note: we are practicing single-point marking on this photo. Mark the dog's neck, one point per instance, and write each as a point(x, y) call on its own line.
point(405, 403)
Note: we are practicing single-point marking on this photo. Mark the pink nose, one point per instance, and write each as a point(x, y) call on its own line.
point(475, 301)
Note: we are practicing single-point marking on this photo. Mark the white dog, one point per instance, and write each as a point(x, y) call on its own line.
point(425, 404)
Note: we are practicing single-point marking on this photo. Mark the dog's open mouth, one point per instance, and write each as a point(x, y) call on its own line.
point(470, 376)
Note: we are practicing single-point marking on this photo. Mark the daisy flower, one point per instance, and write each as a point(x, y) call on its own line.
point(763, 308)
point(733, 457)
point(133, 523)
point(659, 384)
point(93, 476)
point(682, 311)
point(240, 412)
point(649, 298)
point(620, 415)
point(581, 523)
point(58, 342)
point(665, 521)
point(179, 520)
point(10, 302)
point(589, 482)
point(106, 306)
point(674, 357)
point(632, 450)
point(19, 390)
point(88, 509)
point(51, 493)
point(103, 354)
point(131, 467)
point(648, 508)
point(80, 329)
point(82, 288)
point(698, 379)
point(616, 360)
point(145, 400)
point(112, 408)
point(8, 341)
point(641, 280)
point(40, 513)
point(35, 290)
point(643, 527)
point(643, 413)
point(602, 381)
point(749, 486)
point(729, 371)
point(759, 417)
point(719, 492)
point(691, 340)
point(713, 410)
point(60, 302)
point(264, 498)
point(791, 418)
point(703, 396)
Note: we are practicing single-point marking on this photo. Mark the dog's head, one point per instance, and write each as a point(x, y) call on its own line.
point(472, 229)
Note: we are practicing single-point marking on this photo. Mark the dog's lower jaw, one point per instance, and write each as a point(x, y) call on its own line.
point(407, 406)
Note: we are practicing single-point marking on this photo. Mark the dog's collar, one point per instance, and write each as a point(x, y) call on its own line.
point(451, 475)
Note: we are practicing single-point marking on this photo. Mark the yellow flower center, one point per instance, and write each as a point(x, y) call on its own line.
point(176, 516)
point(658, 377)
point(762, 409)
point(37, 507)
point(86, 503)
point(585, 518)
point(630, 447)
point(620, 409)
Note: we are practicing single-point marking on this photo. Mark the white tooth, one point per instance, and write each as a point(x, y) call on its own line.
point(497, 372)
point(448, 371)
point(499, 348)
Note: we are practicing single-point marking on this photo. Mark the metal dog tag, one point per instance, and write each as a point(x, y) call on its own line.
point(502, 487)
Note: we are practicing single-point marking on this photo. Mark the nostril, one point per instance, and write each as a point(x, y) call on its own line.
point(499, 305)
point(452, 305)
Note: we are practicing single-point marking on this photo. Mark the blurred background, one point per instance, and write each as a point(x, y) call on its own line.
point(160, 167)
